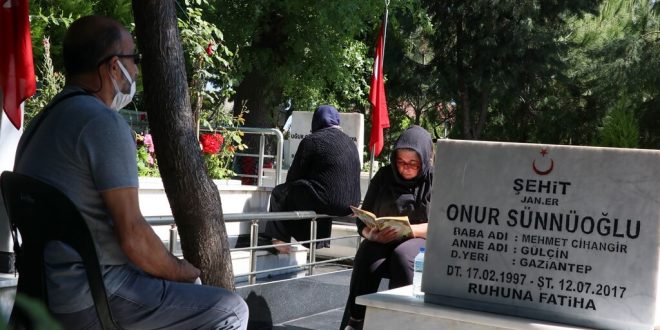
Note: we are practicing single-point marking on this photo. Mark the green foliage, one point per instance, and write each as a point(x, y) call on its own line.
point(219, 165)
point(121, 10)
point(620, 128)
point(50, 19)
point(48, 23)
point(399, 122)
point(498, 58)
point(413, 96)
point(147, 164)
point(50, 82)
point(312, 52)
point(37, 312)
point(528, 71)
point(616, 60)
point(207, 58)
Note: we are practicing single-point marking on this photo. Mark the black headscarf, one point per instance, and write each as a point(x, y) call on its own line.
point(413, 196)
point(325, 116)
point(418, 139)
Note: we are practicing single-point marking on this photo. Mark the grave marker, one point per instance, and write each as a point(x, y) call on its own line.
point(351, 123)
point(560, 233)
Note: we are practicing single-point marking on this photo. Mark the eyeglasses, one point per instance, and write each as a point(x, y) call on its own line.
point(137, 57)
point(410, 166)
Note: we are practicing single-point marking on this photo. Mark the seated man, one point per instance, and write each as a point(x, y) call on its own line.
point(82, 146)
point(324, 177)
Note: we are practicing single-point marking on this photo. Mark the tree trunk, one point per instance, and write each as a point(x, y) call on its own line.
point(483, 114)
point(193, 197)
point(463, 89)
point(251, 95)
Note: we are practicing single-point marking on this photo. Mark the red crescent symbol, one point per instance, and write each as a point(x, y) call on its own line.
point(546, 172)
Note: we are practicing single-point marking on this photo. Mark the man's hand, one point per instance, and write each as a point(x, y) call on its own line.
point(188, 272)
point(381, 236)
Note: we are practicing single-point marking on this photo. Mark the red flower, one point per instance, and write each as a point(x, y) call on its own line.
point(209, 49)
point(211, 143)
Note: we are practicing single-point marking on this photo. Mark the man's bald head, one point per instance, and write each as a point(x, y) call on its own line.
point(90, 40)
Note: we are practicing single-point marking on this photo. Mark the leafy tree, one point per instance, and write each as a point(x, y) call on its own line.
point(617, 62)
point(51, 82)
point(497, 57)
point(207, 59)
point(411, 79)
point(620, 129)
point(49, 20)
point(307, 51)
point(208, 63)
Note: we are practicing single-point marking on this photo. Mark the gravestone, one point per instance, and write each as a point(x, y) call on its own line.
point(351, 123)
point(559, 233)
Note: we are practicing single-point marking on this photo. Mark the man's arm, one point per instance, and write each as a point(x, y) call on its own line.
point(140, 243)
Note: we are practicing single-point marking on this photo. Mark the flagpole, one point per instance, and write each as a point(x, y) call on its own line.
point(371, 166)
point(387, 4)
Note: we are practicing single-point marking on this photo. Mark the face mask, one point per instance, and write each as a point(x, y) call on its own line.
point(121, 100)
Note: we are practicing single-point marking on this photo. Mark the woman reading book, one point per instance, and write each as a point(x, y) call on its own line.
point(402, 188)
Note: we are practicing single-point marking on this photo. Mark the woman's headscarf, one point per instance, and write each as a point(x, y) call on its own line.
point(325, 116)
point(413, 196)
point(418, 139)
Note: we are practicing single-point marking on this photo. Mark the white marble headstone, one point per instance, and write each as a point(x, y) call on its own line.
point(351, 123)
point(560, 233)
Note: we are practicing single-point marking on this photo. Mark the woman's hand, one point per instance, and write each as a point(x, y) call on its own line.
point(381, 236)
point(419, 230)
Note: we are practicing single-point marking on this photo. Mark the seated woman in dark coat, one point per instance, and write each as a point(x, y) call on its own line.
point(401, 188)
point(324, 177)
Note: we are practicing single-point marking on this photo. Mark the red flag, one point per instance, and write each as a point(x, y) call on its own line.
point(379, 116)
point(17, 79)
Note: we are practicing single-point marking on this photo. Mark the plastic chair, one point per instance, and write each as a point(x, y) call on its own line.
point(41, 213)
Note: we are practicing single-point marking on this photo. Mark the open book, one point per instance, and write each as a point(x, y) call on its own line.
point(401, 223)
